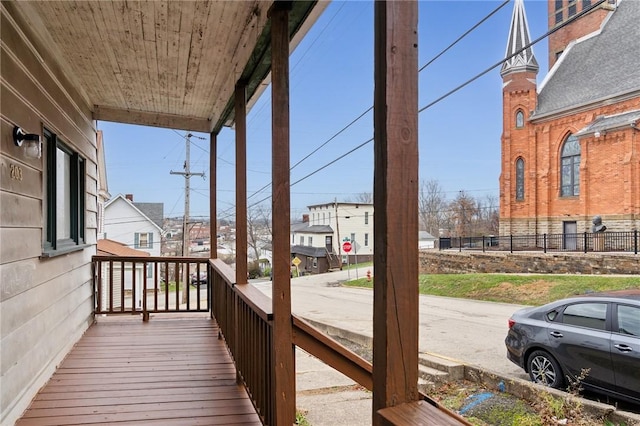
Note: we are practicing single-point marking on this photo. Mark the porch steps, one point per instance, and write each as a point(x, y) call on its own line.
point(434, 371)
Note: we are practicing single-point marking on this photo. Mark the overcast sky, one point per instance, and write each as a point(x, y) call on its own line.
point(331, 85)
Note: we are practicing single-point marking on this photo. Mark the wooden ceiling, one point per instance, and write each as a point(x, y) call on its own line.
point(161, 63)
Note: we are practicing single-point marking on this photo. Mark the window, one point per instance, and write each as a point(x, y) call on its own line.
point(519, 119)
point(366, 240)
point(353, 240)
point(301, 240)
point(366, 218)
point(323, 219)
point(586, 4)
point(572, 7)
point(570, 167)
point(143, 240)
point(558, 11)
point(310, 241)
point(629, 320)
point(519, 179)
point(64, 227)
point(589, 315)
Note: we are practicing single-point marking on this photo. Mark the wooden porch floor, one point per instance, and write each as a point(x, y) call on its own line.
point(168, 371)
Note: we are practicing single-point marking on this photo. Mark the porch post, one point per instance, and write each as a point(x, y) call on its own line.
point(241, 182)
point(213, 192)
point(395, 300)
point(283, 350)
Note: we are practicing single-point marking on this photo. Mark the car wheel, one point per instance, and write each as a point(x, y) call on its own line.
point(544, 369)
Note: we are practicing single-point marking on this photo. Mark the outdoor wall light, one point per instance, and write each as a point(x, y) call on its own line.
point(31, 142)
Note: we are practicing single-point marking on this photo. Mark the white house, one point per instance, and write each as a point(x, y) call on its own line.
point(324, 230)
point(127, 223)
point(130, 224)
point(426, 240)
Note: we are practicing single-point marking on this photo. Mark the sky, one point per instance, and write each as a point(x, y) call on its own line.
point(331, 84)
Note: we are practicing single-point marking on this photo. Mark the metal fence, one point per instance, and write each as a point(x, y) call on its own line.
point(585, 242)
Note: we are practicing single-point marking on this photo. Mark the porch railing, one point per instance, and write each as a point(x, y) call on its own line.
point(245, 318)
point(577, 242)
point(144, 285)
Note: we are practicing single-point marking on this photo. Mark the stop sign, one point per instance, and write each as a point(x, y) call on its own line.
point(346, 246)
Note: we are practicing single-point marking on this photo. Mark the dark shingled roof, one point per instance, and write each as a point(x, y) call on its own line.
point(154, 211)
point(309, 251)
point(606, 123)
point(597, 68)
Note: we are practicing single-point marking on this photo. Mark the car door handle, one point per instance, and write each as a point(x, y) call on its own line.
point(623, 348)
point(556, 334)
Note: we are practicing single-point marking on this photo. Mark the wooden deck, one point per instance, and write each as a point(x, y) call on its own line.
point(168, 371)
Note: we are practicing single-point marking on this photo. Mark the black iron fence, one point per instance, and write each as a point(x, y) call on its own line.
point(579, 242)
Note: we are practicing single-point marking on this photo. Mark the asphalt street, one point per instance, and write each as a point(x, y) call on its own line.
point(466, 330)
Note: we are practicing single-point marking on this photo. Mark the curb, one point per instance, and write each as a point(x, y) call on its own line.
point(514, 386)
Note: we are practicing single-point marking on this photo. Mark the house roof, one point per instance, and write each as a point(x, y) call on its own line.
point(164, 63)
point(424, 235)
point(596, 68)
point(133, 205)
point(332, 204)
point(154, 211)
point(299, 226)
point(317, 229)
point(108, 247)
point(309, 251)
point(605, 123)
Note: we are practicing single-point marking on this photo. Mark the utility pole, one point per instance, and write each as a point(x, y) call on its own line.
point(185, 222)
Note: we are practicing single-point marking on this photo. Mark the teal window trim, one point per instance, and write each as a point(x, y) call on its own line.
point(52, 245)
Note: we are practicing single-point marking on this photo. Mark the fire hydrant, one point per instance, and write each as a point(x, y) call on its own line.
point(369, 275)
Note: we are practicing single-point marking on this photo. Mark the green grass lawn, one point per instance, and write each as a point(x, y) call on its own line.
point(513, 288)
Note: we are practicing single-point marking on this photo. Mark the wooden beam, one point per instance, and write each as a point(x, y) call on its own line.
point(395, 318)
point(154, 119)
point(241, 182)
point(213, 192)
point(283, 352)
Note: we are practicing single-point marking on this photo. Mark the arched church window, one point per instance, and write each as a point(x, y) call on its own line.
point(519, 179)
point(570, 167)
point(519, 119)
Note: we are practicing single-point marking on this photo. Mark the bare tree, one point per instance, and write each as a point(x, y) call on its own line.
point(465, 214)
point(258, 228)
point(432, 205)
point(488, 216)
point(364, 197)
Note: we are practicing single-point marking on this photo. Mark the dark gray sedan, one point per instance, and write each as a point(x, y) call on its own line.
point(595, 335)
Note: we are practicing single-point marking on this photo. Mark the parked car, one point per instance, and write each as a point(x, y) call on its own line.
point(199, 280)
point(598, 333)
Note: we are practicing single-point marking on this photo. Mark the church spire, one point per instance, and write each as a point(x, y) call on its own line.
point(518, 38)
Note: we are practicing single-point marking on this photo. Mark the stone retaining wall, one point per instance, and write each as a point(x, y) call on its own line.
point(455, 262)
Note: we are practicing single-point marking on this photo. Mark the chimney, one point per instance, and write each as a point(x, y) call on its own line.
point(129, 197)
point(305, 218)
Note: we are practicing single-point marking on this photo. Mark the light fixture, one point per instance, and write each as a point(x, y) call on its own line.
point(32, 142)
point(597, 134)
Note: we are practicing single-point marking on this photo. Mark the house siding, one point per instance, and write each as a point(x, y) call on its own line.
point(46, 304)
point(122, 221)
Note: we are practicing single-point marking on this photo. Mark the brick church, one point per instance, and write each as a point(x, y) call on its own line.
point(571, 145)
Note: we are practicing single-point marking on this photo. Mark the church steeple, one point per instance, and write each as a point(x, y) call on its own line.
point(518, 38)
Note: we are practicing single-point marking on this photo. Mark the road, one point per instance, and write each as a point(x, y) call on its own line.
point(466, 330)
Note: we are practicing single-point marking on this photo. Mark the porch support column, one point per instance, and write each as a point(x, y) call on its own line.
point(395, 198)
point(213, 193)
point(283, 350)
point(241, 182)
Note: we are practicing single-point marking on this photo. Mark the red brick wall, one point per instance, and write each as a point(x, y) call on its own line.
point(609, 171)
